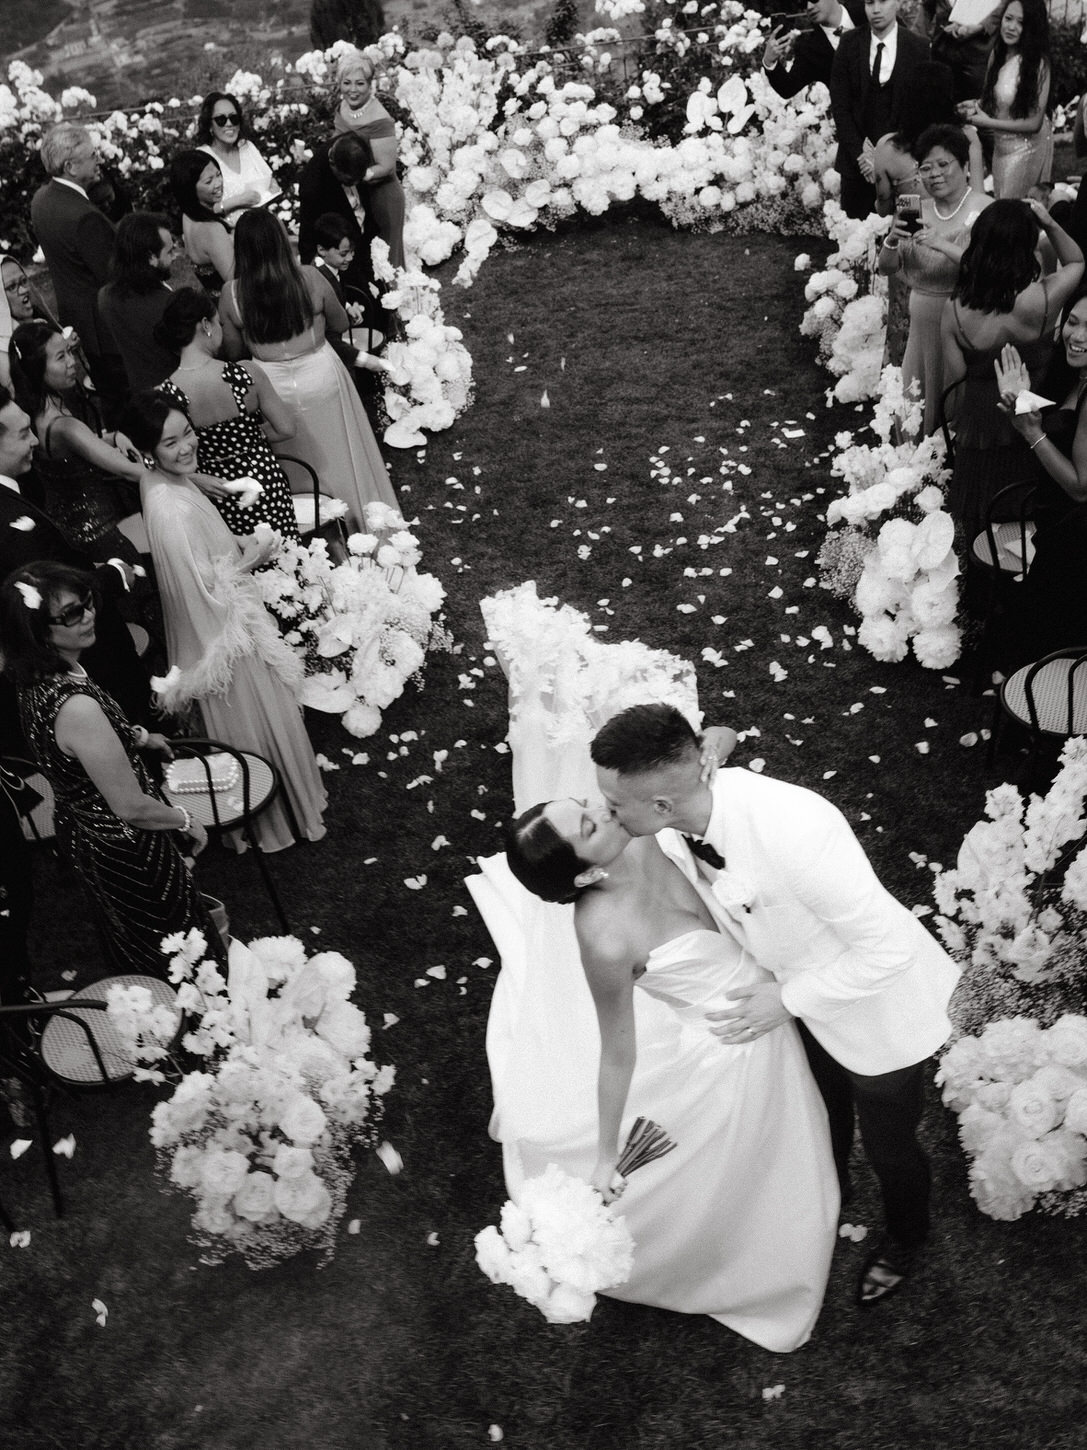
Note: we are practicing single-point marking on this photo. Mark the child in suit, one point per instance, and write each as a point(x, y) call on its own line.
point(335, 251)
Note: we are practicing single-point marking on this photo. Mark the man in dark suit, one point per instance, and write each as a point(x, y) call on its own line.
point(870, 80)
point(26, 535)
point(794, 59)
point(77, 240)
point(331, 182)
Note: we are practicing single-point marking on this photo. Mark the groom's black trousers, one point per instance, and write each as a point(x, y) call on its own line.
point(888, 1108)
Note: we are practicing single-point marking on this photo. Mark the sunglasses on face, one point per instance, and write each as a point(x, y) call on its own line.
point(73, 614)
point(232, 120)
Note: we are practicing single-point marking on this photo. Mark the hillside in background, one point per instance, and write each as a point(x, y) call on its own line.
point(124, 51)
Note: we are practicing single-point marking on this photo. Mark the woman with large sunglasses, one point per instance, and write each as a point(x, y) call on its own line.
point(113, 824)
point(223, 131)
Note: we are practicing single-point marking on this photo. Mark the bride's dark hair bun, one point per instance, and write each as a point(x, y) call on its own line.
point(183, 314)
point(540, 859)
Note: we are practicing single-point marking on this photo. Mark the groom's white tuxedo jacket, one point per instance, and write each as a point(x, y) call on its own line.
point(799, 894)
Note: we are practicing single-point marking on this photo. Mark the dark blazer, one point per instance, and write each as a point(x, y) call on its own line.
point(77, 240)
point(850, 79)
point(319, 192)
point(131, 318)
point(813, 58)
point(111, 661)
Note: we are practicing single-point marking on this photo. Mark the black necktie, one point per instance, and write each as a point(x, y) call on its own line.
point(877, 64)
point(838, 30)
point(705, 852)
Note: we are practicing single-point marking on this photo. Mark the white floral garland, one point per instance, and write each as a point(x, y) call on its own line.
point(261, 1137)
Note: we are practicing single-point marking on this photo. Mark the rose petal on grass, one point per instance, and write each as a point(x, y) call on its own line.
point(415, 883)
point(19, 1147)
point(65, 1147)
point(19, 1238)
point(390, 1157)
point(101, 1313)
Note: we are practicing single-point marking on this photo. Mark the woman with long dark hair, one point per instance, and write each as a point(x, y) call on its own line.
point(280, 312)
point(1000, 298)
point(1014, 101)
point(90, 485)
point(223, 131)
point(113, 824)
point(237, 414)
point(196, 180)
point(226, 656)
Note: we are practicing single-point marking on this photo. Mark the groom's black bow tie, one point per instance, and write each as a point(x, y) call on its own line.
point(705, 852)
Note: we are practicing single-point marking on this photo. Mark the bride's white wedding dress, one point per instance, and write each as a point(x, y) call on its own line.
point(739, 1221)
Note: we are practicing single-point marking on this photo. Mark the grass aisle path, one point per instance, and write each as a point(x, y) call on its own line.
point(671, 489)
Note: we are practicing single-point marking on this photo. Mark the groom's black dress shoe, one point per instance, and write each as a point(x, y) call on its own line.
point(886, 1268)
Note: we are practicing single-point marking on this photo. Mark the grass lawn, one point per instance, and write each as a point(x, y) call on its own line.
point(669, 471)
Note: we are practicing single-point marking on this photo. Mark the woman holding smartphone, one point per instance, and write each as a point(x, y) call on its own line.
point(926, 244)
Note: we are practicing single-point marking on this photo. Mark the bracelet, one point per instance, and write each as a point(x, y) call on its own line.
point(186, 824)
point(1043, 439)
point(891, 246)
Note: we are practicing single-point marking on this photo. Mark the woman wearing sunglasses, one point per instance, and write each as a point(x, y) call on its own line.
point(113, 824)
point(224, 133)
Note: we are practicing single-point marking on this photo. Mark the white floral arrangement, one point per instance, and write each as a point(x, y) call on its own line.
point(261, 1134)
point(1020, 1091)
point(847, 304)
point(1013, 908)
point(890, 546)
point(558, 1246)
point(361, 627)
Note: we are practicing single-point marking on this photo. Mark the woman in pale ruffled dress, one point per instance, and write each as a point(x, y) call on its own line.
point(1015, 100)
point(225, 653)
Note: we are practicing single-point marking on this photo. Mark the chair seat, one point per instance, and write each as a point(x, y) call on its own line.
point(304, 511)
point(64, 1047)
point(1050, 690)
point(221, 809)
point(140, 638)
point(1008, 538)
point(39, 824)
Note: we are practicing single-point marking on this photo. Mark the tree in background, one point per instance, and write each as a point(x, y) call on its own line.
point(563, 23)
point(360, 21)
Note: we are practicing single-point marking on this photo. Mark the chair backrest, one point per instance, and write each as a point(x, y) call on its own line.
point(365, 334)
point(1075, 689)
point(945, 426)
point(301, 476)
point(1017, 500)
point(32, 796)
point(201, 748)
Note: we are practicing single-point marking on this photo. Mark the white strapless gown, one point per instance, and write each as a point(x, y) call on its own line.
point(740, 1220)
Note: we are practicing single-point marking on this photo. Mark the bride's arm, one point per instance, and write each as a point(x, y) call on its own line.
point(609, 971)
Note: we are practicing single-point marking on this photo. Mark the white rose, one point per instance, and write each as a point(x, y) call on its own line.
point(1075, 1112)
point(492, 1254)
point(255, 1199)
point(567, 1305)
point(224, 1171)
point(298, 1198)
point(302, 1120)
point(516, 1226)
point(1031, 1108)
point(1038, 1164)
point(343, 1026)
point(1066, 1041)
point(291, 1162)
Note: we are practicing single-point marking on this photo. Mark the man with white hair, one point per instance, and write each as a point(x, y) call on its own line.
point(77, 240)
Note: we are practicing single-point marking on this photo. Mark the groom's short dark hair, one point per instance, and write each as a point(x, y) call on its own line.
point(643, 738)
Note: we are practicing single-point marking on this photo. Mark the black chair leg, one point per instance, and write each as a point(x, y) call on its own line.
point(5, 1219)
point(269, 884)
point(47, 1148)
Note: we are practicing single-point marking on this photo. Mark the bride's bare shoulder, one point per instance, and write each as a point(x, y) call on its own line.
point(603, 931)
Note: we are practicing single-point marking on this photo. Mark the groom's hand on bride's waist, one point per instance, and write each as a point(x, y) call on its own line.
point(758, 1010)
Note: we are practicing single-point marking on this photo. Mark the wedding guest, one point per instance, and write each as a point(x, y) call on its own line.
point(236, 413)
point(224, 132)
point(196, 180)
point(1000, 298)
point(870, 81)
point(327, 186)
point(793, 60)
point(77, 241)
point(16, 305)
point(134, 299)
point(89, 485)
point(361, 114)
point(26, 535)
point(929, 258)
point(113, 825)
point(279, 312)
point(226, 656)
point(357, 347)
point(865, 984)
point(1015, 100)
point(964, 49)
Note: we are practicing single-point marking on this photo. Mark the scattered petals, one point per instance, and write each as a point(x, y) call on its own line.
point(101, 1313)
point(390, 1157)
point(19, 1147)
point(19, 1238)
point(65, 1147)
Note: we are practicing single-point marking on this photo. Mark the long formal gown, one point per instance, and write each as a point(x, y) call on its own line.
point(930, 276)
point(139, 886)
point(332, 432)
point(1020, 162)
point(230, 659)
point(739, 1221)
point(237, 448)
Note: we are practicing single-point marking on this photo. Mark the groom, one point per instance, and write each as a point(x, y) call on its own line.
point(783, 872)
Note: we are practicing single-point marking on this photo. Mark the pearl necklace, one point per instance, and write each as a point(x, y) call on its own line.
point(954, 213)
point(356, 115)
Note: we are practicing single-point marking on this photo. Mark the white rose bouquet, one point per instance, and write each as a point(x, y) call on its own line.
point(260, 1135)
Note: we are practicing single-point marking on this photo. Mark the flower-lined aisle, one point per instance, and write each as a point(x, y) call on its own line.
point(261, 1134)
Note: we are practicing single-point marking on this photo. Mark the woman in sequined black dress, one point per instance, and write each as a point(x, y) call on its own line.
point(113, 825)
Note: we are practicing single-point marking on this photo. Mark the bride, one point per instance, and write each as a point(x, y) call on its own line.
point(739, 1221)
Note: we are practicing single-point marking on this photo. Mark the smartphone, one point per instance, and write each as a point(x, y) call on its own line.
point(794, 19)
point(908, 210)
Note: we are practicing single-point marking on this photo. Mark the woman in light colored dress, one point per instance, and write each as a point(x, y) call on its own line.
point(221, 642)
point(739, 1221)
point(362, 114)
point(929, 258)
point(223, 131)
point(279, 312)
point(1015, 100)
